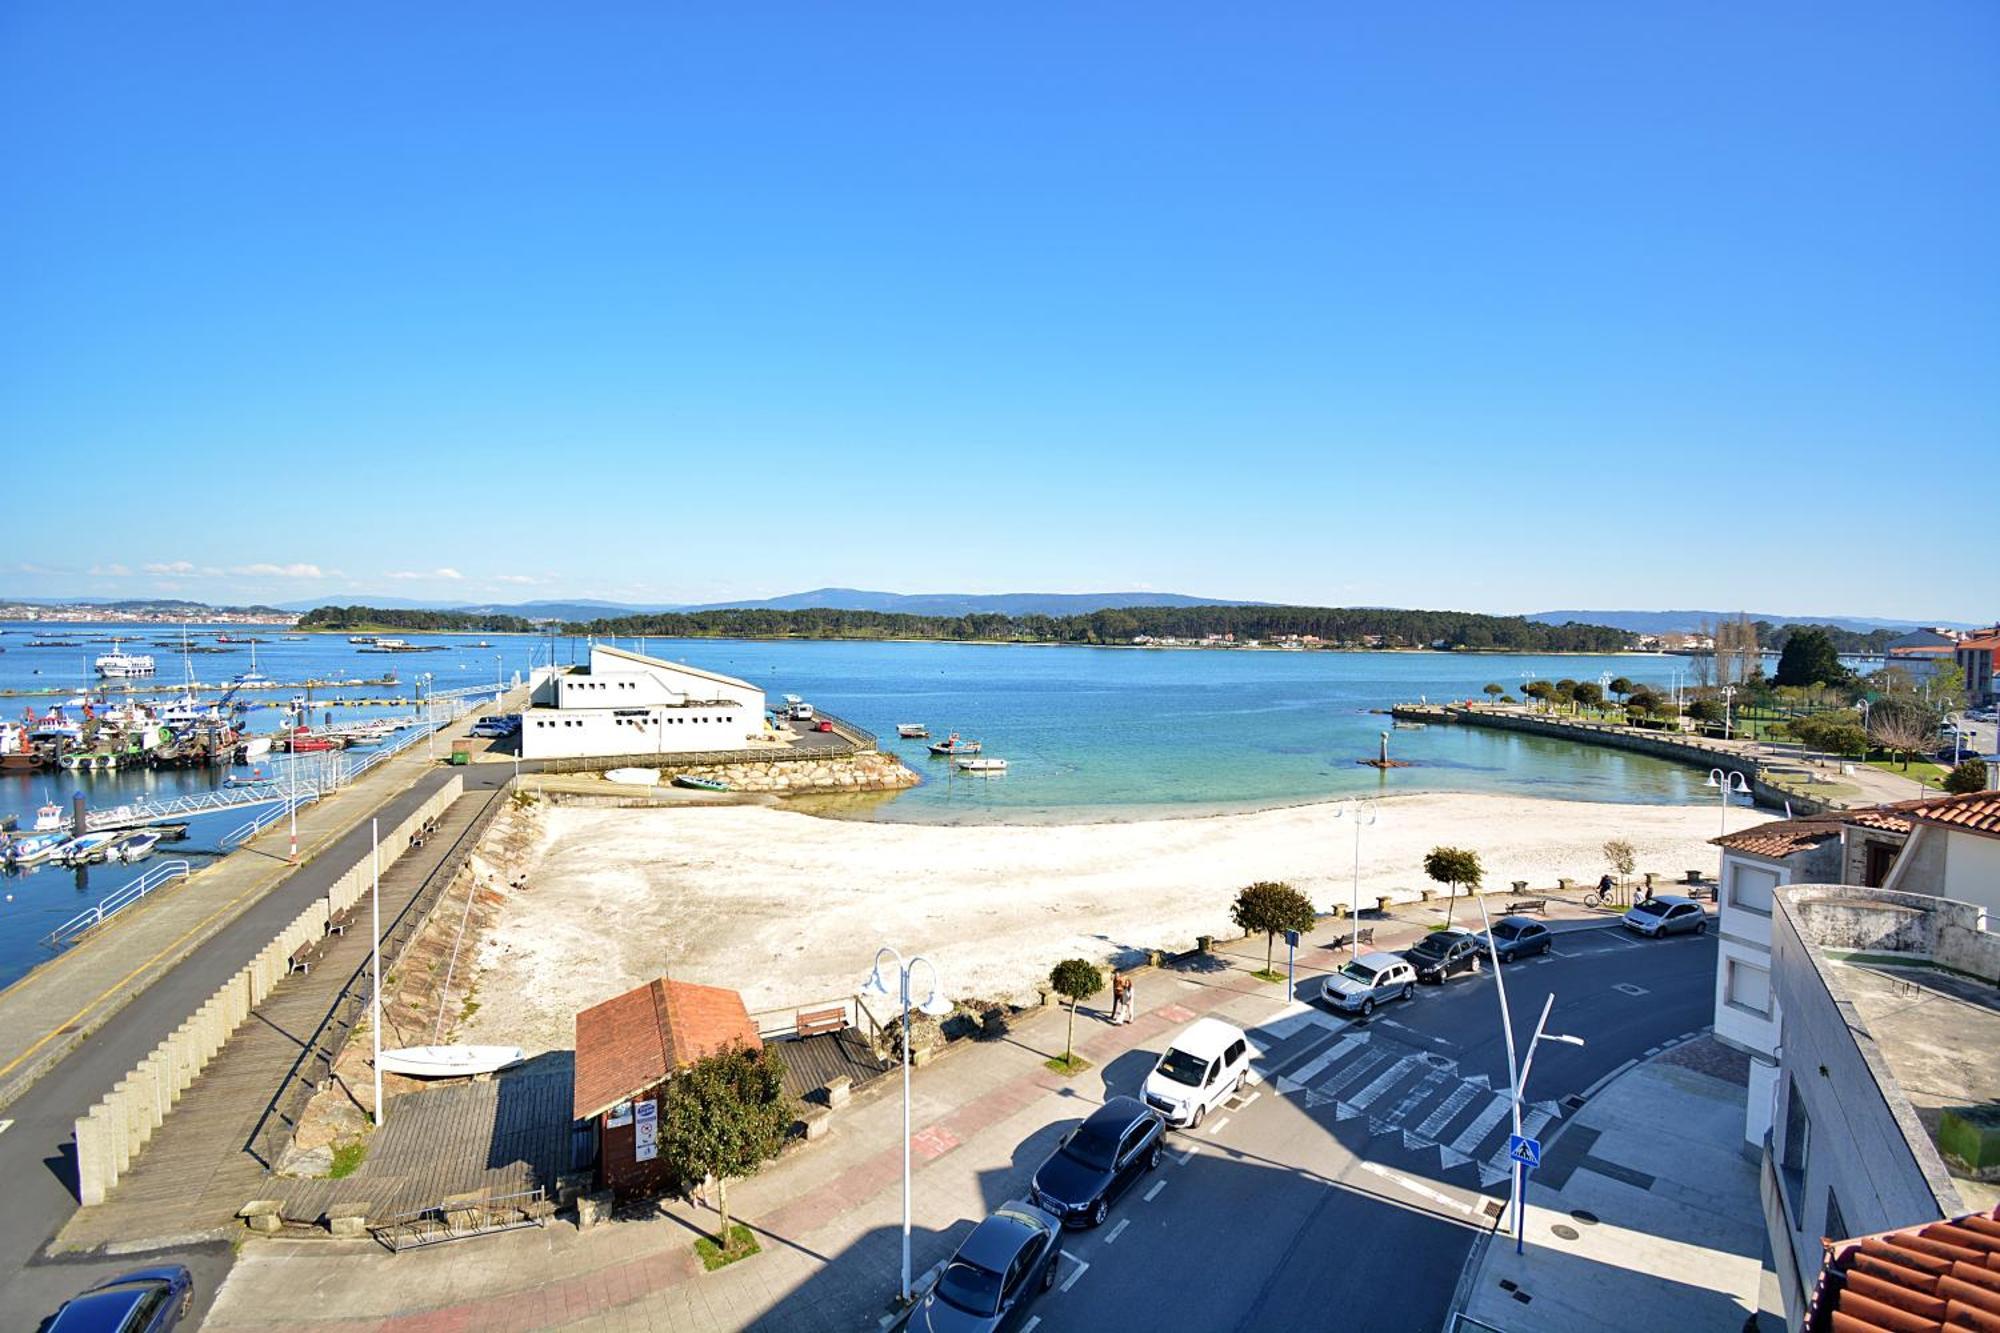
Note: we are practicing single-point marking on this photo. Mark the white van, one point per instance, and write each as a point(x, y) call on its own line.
point(1205, 1065)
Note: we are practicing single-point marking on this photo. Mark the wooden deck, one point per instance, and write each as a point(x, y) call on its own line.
point(203, 1163)
point(811, 1061)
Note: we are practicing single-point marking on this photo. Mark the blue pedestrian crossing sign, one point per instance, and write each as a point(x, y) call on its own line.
point(1528, 1152)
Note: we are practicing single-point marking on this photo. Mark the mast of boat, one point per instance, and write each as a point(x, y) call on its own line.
point(375, 940)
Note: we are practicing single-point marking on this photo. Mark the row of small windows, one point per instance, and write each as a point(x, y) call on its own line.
point(637, 722)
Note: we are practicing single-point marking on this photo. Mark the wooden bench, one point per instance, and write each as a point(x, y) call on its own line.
point(1539, 906)
point(820, 1022)
point(1364, 936)
point(338, 923)
point(306, 955)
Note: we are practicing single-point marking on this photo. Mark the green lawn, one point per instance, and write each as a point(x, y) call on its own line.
point(1931, 775)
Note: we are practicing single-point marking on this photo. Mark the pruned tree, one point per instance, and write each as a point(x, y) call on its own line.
point(1968, 777)
point(1076, 980)
point(1621, 686)
point(1453, 866)
point(1494, 691)
point(1272, 907)
point(725, 1116)
point(1901, 731)
point(1620, 856)
point(1588, 693)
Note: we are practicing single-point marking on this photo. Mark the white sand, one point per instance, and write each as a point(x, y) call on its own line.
point(789, 908)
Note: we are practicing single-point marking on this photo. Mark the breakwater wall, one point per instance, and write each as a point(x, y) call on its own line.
point(1682, 749)
point(115, 1130)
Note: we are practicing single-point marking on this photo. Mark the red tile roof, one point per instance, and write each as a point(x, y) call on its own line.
point(1782, 838)
point(1941, 1276)
point(1988, 639)
point(1976, 812)
point(632, 1042)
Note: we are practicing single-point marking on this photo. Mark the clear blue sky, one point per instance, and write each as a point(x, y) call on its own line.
point(1498, 307)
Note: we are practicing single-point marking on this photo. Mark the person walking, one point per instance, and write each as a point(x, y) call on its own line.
point(1121, 998)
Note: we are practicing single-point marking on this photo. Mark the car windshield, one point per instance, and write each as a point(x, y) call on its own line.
point(970, 1287)
point(1093, 1151)
point(1359, 972)
point(1506, 931)
point(1651, 909)
point(1431, 944)
point(1183, 1068)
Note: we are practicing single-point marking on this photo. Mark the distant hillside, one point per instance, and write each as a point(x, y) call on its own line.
point(1685, 622)
point(966, 604)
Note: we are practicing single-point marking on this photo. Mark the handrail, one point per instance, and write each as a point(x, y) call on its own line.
point(115, 902)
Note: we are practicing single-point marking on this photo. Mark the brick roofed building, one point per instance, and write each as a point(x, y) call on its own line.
point(1942, 1276)
point(627, 1051)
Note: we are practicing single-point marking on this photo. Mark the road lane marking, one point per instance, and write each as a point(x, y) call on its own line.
point(1154, 1192)
point(5, 1125)
point(1293, 1082)
point(1383, 1081)
point(1420, 1036)
point(1081, 1269)
point(1421, 1190)
point(1118, 1230)
point(1242, 1105)
point(1182, 1158)
point(1469, 1137)
point(1029, 1327)
point(1217, 1127)
point(1460, 1098)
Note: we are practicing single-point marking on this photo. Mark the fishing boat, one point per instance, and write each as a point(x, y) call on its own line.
point(253, 747)
point(953, 745)
point(912, 731)
point(361, 638)
point(136, 846)
point(982, 765)
point(449, 1061)
point(699, 784)
point(89, 847)
point(33, 848)
point(49, 818)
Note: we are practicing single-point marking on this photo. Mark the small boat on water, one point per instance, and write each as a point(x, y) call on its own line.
point(33, 848)
point(1408, 726)
point(449, 1061)
point(253, 747)
point(953, 745)
point(90, 847)
point(982, 765)
point(136, 846)
point(912, 731)
point(699, 784)
point(50, 817)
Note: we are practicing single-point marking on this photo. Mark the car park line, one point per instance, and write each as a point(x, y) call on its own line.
point(1118, 1230)
point(1245, 1103)
point(1421, 1190)
point(1153, 1193)
point(1029, 1327)
point(1181, 1159)
point(1081, 1269)
point(1217, 1127)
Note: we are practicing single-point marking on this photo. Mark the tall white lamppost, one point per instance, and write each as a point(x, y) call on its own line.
point(375, 950)
point(1519, 1079)
point(424, 684)
point(1728, 694)
point(1726, 782)
point(292, 799)
point(1362, 816)
point(937, 1007)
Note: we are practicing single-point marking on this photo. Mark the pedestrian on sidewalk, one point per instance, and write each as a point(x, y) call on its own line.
point(1121, 998)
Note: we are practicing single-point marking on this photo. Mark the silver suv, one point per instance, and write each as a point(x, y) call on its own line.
point(1369, 980)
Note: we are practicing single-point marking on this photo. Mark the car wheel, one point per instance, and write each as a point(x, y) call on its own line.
point(1153, 1157)
point(1049, 1273)
point(1409, 990)
point(187, 1302)
point(1368, 1006)
point(1547, 947)
point(1098, 1213)
point(1237, 1091)
point(1200, 1114)
point(1701, 928)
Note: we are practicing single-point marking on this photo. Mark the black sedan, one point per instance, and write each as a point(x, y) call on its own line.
point(1518, 937)
point(1098, 1161)
point(989, 1284)
point(1443, 953)
point(151, 1300)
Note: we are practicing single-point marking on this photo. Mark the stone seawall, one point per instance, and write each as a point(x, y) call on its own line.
point(870, 770)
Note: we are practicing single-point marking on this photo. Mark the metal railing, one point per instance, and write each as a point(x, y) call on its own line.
point(256, 824)
point(115, 902)
point(428, 1226)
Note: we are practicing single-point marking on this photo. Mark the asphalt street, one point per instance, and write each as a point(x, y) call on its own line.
point(1347, 1187)
point(37, 1150)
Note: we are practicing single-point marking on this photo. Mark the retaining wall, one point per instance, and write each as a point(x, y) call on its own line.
point(117, 1129)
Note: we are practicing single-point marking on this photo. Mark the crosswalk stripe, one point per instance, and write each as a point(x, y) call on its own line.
point(1459, 1098)
point(1289, 1083)
point(1469, 1137)
point(1383, 1081)
point(1416, 1097)
point(1366, 1063)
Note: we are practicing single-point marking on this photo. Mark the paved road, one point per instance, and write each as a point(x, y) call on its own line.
point(1347, 1188)
point(36, 1146)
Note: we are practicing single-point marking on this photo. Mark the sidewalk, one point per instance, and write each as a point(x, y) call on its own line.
point(48, 1013)
point(827, 1215)
point(1642, 1217)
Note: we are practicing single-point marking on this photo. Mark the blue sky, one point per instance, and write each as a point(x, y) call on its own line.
point(1498, 307)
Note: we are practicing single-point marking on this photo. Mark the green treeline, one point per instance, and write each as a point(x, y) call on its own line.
point(362, 619)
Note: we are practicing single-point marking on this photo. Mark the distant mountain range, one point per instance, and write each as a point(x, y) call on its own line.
point(1685, 622)
point(844, 599)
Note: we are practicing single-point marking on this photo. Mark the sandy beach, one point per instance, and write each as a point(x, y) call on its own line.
point(789, 908)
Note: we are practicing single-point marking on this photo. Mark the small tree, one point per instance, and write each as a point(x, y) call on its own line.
point(1453, 866)
point(1272, 908)
point(1968, 777)
point(1588, 693)
point(1621, 686)
point(725, 1116)
point(1494, 691)
point(1076, 980)
point(1618, 854)
point(1902, 730)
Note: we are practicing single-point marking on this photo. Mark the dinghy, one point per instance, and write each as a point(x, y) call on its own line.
point(449, 1061)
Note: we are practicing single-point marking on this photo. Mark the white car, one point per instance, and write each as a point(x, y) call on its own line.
point(1204, 1066)
point(1368, 981)
point(1668, 914)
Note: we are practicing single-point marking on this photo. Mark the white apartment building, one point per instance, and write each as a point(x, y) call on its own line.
point(627, 704)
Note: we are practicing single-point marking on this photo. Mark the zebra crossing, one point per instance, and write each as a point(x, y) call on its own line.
point(1418, 1098)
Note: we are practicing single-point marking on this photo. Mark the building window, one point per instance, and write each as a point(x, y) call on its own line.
point(1750, 888)
point(1836, 1225)
point(1798, 1146)
point(1747, 986)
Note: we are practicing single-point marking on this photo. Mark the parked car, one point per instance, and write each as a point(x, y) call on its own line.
point(1518, 937)
point(1443, 953)
point(1098, 1161)
point(149, 1300)
point(996, 1274)
point(1204, 1066)
point(1367, 981)
point(1668, 914)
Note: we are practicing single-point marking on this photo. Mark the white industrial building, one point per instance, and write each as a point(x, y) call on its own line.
point(624, 703)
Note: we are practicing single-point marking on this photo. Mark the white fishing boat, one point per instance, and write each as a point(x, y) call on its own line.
point(33, 848)
point(90, 847)
point(953, 745)
point(50, 818)
point(912, 731)
point(449, 1061)
point(136, 846)
point(253, 747)
point(982, 765)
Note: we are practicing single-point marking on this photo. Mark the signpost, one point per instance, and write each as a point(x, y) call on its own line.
point(1528, 1152)
point(1291, 951)
point(645, 1130)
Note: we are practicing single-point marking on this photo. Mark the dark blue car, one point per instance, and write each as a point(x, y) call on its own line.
point(1098, 1160)
point(151, 1300)
point(989, 1284)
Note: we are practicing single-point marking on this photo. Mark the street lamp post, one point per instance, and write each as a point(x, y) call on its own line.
point(1726, 782)
point(1362, 816)
point(937, 1007)
point(424, 684)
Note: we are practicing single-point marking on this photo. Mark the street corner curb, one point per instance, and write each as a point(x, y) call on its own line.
point(1646, 1057)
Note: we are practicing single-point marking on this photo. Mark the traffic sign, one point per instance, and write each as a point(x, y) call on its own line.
point(1291, 939)
point(1528, 1152)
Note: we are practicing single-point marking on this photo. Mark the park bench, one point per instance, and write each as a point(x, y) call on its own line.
point(1366, 936)
point(306, 955)
point(1539, 906)
point(338, 923)
point(820, 1022)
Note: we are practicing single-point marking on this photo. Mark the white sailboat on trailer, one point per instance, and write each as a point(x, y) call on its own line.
point(448, 1061)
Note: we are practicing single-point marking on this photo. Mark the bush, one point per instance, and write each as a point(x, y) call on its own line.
point(1968, 777)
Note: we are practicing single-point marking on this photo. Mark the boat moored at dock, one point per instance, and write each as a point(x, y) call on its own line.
point(954, 745)
point(912, 731)
point(985, 766)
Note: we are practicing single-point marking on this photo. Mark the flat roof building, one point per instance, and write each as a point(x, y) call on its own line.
point(625, 704)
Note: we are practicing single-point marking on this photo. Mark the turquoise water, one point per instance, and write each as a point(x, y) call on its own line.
point(1091, 733)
